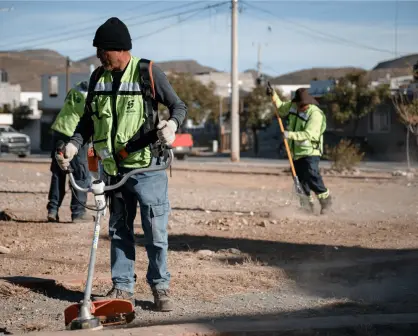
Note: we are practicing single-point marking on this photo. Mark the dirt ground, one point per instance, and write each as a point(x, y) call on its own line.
point(239, 247)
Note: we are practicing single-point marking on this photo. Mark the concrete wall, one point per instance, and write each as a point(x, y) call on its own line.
point(24, 97)
point(56, 102)
point(33, 129)
point(6, 119)
point(9, 94)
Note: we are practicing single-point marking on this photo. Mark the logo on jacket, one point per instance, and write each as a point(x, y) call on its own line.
point(130, 106)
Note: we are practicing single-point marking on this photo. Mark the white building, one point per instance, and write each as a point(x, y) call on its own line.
point(222, 80)
point(288, 90)
point(54, 89)
point(25, 97)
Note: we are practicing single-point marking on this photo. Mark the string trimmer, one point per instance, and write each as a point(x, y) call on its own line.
point(90, 314)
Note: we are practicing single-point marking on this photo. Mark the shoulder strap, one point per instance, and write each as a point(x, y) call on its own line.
point(146, 135)
point(92, 83)
point(148, 92)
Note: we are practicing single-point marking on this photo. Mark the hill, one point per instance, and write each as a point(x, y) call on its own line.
point(401, 62)
point(306, 75)
point(401, 66)
point(255, 72)
point(26, 67)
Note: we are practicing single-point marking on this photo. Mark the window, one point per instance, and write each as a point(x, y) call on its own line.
point(379, 121)
point(53, 86)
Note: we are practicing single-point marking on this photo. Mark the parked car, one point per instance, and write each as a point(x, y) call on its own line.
point(182, 145)
point(11, 141)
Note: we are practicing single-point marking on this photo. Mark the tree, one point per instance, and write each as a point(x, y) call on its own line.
point(258, 112)
point(407, 110)
point(201, 101)
point(352, 98)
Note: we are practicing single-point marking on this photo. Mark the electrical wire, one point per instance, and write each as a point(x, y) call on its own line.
point(60, 37)
point(180, 21)
point(311, 31)
point(42, 35)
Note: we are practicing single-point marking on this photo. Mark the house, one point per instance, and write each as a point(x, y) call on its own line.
point(288, 90)
point(54, 91)
point(9, 93)
point(222, 80)
point(16, 100)
point(380, 134)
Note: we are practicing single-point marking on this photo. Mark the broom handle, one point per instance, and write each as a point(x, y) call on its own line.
point(292, 167)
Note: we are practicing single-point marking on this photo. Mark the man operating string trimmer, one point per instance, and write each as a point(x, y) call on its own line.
point(307, 124)
point(121, 110)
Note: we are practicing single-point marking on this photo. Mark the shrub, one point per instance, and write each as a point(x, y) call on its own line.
point(344, 156)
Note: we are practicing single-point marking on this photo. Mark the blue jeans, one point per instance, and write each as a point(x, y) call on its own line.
point(151, 190)
point(57, 187)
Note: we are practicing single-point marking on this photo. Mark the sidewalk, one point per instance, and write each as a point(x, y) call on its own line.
point(222, 164)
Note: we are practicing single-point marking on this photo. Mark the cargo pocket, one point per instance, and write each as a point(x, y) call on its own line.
point(159, 220)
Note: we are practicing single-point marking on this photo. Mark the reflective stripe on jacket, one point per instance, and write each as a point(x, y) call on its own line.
point(117, 117)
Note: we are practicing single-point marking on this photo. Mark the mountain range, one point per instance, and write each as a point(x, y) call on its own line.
point(26, 67)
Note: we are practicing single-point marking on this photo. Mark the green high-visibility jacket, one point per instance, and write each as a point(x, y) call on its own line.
point(117, 117)
point(305, 131)
point(70, 114)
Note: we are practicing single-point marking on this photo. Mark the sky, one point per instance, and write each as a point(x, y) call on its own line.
point(292, 35)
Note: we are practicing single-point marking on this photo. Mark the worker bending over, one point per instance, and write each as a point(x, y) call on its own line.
point(307, 124)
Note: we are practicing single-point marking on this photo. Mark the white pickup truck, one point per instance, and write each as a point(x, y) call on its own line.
point(11, 141)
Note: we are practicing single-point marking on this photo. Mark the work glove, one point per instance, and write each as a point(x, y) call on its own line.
point(286, 134)
point(269, 90)
point(166, 131)
point(64, 159)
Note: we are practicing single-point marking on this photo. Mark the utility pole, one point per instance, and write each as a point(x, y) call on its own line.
point(67, 75)
point(259, 61)
point(220, 123)
point(235, 132)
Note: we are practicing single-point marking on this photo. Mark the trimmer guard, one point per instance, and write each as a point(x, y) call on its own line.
point(110, 312)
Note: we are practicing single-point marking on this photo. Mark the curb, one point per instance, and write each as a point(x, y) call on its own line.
point(246, 169)
point(251, 326)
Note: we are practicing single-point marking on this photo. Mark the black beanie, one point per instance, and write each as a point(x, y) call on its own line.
point(113, 35)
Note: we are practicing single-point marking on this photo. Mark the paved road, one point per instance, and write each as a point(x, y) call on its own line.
point(213, 161)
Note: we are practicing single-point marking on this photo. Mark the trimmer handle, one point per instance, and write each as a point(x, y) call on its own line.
point(59, 150)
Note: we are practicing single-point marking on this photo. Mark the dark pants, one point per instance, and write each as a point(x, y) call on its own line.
point(58, 179)
point(307, 170)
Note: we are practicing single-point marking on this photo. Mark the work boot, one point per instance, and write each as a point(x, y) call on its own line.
point(162, 300)
point(307, 203)
point(116, 293)
point(325, 204)
point(85, 217)
point(53, 216)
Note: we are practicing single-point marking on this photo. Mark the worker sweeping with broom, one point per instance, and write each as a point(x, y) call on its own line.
point(307, 123)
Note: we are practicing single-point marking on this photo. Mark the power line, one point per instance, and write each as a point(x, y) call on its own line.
point(311, 30)
point(60, 37)
point(31, 37)
point(180, 21)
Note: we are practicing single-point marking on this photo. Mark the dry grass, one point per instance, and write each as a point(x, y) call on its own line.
point(10, 290)
point(34, 327)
